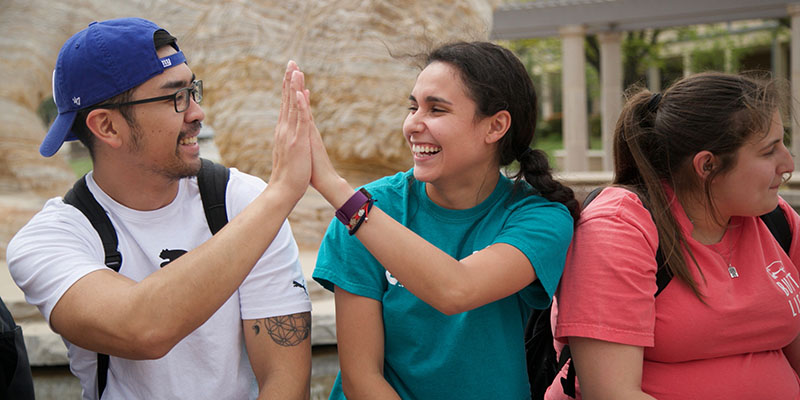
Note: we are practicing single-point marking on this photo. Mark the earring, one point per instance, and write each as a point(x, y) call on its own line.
point(707, 166)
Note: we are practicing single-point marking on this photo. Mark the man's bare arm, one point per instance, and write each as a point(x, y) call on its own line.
point(279, 349)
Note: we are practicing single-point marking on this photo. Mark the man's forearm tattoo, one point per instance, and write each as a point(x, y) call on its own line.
point(285, 330)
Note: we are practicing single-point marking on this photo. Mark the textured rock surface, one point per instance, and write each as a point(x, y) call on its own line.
point(240, 49)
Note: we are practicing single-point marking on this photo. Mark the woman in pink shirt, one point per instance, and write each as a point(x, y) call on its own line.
point(706, 159)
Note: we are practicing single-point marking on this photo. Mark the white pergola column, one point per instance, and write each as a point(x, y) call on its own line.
point(546, 97)
point(573, 84)
point(779, 70)
point(654, 78)
point(610, 90)
point(687, 63)
point(794, 13)
point(728, 60)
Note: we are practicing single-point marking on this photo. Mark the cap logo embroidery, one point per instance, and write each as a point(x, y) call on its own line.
point(76, 100)
point(166, 62)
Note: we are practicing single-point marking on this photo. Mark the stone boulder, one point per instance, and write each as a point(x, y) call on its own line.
point(240, 49)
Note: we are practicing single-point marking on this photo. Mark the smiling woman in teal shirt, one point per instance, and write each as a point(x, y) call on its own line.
point(434, 270)
point(473, 354)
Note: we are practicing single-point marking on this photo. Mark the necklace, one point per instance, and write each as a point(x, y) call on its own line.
point(731, 269)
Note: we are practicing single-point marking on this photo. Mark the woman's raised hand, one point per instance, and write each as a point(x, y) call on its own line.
point(324, 177)
point(291, 151)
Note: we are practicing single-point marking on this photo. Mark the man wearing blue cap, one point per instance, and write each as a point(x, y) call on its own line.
point(227, 319)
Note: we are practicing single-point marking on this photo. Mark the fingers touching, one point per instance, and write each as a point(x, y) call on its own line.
point(291, 153)
point(297, 139)
point(286, 90)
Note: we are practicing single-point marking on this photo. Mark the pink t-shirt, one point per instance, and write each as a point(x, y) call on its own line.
point(729, 348)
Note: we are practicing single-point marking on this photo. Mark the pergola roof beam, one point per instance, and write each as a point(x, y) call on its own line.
point(543, 18)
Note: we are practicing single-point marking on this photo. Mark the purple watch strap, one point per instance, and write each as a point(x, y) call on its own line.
point(352, 205)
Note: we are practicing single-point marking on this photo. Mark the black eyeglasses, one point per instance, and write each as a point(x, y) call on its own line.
point(180, 98)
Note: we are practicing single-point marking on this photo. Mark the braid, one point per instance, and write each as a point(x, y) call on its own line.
point(535, 169)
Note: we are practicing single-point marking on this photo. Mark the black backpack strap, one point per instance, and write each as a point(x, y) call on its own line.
point(589, 197)
point(102, 373)
point(779, 227)
point(213, 181)
point(663, 274)
point(568, 383)
point(81, 198)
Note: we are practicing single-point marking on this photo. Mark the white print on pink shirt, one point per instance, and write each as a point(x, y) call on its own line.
point(786, 282)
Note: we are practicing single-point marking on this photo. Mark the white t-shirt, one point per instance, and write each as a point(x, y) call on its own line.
point(58, 246)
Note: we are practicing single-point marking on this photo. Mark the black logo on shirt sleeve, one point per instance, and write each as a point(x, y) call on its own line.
point(300, 285)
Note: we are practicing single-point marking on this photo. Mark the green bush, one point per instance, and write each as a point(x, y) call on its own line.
point(549, 128)
point(595, 126)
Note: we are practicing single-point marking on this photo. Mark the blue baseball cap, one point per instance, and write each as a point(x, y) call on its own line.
point(101, 61)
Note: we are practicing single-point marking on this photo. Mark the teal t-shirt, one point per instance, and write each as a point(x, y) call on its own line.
point(478, 354)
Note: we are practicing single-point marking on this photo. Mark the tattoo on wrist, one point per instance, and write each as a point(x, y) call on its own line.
point(285, 330)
